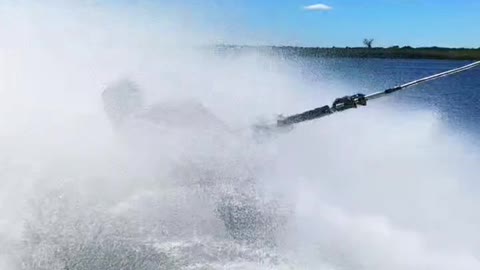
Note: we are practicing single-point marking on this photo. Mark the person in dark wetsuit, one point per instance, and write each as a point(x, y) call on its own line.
point(241, 213)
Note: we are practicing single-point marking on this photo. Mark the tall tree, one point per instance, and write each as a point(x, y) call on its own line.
point(368, 42)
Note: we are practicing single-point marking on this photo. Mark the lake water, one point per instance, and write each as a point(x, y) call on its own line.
point(382, 187)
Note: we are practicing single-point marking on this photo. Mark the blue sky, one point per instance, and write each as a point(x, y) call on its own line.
point(454, 23)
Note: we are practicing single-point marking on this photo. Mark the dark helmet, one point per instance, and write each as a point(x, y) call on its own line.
point(121, 100)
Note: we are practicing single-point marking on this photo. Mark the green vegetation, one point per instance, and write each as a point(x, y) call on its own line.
point(365, 52)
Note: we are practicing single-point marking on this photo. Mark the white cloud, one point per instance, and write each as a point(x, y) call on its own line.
point(318, 7)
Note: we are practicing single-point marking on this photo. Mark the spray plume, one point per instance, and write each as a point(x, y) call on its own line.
point(78, 193)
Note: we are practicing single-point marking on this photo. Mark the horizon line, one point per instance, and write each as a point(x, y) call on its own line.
point(349, 47)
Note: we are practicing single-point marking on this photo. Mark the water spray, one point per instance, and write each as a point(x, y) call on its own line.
point(353, 101)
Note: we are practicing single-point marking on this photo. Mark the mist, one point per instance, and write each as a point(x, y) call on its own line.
point(378, 188)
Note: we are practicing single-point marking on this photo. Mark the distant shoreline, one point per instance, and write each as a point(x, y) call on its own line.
point(396, 52)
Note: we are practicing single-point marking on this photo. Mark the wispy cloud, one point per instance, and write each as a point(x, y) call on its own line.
point(318, 7)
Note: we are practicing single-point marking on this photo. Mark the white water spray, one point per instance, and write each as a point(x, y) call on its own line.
point(394, 191)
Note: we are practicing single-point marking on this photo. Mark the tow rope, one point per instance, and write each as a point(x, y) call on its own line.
point(353, 101)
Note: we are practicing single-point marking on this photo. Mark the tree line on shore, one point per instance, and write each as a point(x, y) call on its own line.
point(369, 51)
